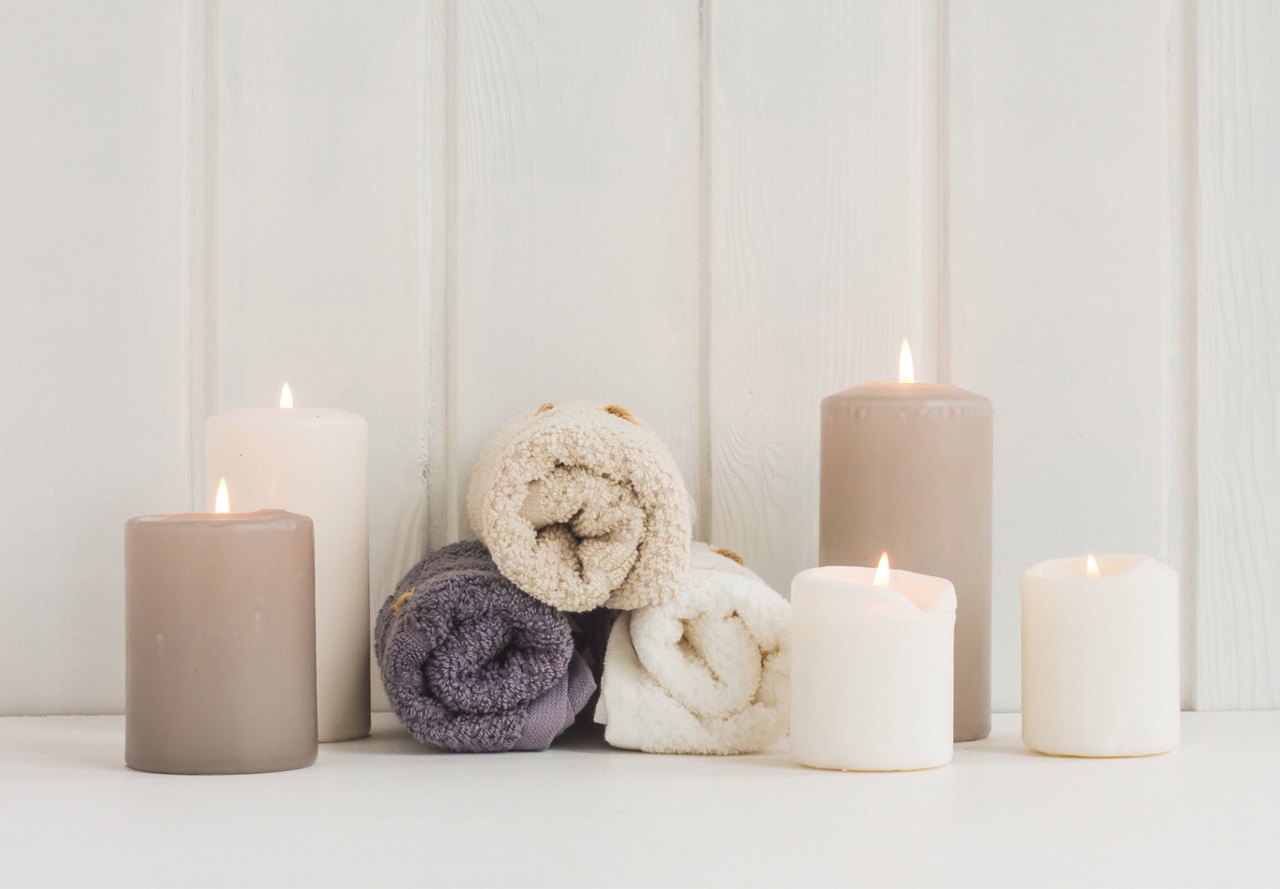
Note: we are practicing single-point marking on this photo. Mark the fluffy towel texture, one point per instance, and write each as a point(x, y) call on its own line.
point(582, 506)
point(707, 672)
point(471, 663)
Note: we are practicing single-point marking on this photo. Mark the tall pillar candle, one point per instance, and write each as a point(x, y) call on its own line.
point(871, 662)
point(313, 461)
point(1100, 656)
point(906, 467)
point(220, 659)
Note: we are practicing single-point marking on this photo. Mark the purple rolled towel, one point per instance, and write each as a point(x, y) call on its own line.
point(473, 664)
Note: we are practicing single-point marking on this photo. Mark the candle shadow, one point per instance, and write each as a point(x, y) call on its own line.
point(999, 748)
point(384, 738)
point(78, 743)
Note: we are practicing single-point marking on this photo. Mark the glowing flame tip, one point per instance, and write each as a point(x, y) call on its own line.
point(222, 502)
point(286, 396)
point(1091, 567)
point(882, 570)
point(906, 366)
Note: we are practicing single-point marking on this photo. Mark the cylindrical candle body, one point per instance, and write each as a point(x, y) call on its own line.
point(871, 683)
point(1100, 657)
point(907, 468)
point(220, 643)
point(313, 462)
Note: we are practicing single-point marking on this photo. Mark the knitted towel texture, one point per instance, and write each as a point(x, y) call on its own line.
point(707, 672)
point(471, 663)
point(582, 506)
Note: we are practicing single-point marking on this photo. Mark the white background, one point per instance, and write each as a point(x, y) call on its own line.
point(441, 213)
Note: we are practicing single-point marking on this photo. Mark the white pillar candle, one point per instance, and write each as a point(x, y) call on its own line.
point(871, 669)
point(313, 462)
point(1100, 656)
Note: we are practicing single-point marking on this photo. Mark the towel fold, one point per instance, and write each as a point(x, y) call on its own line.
point(582, 506)
point(471, 663)
point(707, 672)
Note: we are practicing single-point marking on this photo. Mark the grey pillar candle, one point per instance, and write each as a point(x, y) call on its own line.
point(906, 468)
point(220, 643)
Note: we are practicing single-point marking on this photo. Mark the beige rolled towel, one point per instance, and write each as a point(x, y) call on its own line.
point(582, 506)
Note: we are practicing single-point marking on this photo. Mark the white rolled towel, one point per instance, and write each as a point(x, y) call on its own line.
point(707, 672)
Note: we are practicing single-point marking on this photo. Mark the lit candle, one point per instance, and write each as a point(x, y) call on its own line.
point(907, 466)
point(1100, 656)
point(220, 642)
point(315, 462)
point(871, 665)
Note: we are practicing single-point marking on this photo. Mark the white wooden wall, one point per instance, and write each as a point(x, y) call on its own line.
point(716, 212)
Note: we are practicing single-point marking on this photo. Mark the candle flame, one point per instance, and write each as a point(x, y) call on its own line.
point(906, 367)
point(222, 502)
point(286, 396)
point(1091, 567)
point(882, 570)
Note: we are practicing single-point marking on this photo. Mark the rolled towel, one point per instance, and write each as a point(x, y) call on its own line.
point(472, 664)
point(707, 672)
point(582, 506)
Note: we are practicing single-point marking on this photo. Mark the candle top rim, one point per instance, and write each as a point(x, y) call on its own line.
point(1110, 565)
point(264, 517)
point(295, 414)
point(921, 593)
point(882, 391)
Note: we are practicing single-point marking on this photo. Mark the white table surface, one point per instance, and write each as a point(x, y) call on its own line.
point(386, 811)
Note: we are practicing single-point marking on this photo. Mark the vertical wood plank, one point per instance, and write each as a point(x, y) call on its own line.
point(1058, 292)
point(1238, 326)
point(576, 217)
point(321, 164)
point(822, 208)
point(93, 340)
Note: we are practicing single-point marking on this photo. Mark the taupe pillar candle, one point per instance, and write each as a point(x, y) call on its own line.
point(906, 468)
point(220, 643)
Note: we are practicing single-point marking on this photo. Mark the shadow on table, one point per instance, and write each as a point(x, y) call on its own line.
point(78, 743)
point(999, 748)
point(392, 738)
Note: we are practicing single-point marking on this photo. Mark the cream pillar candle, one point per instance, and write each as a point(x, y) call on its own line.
point(907, 467)
point(1100, 656)
point(220, 644)
point(315, 462)
point(871, 669)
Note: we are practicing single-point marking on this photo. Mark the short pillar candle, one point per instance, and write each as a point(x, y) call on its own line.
point(1100, 656)
point(220, 643)
point(871, 669)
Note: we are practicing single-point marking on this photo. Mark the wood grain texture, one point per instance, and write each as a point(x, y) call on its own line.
point(1238, 327)
point(1057, 286)
point(576, 219)
point(93, 332)
point(818, 209)
point(319, 276)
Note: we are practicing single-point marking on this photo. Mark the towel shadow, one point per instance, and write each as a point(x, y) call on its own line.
point(584, 736)
point(390, 738)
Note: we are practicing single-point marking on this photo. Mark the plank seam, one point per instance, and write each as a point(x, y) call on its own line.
point(705, 331)
point(941, 199)
point(199, 235)
point(1181, 460)
point(449, 318)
